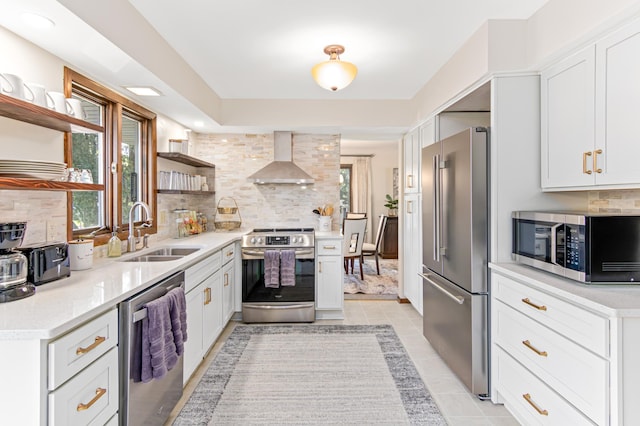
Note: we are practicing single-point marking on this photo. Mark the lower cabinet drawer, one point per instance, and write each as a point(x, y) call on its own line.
point(89, 398)
point(79, 348)
point(580, 376)
point(329, 247)
point(530, 400)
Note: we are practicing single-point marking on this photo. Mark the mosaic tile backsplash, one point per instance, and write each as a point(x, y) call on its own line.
point(622, 201)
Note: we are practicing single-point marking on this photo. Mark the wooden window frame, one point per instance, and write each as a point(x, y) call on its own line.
point(115, 103)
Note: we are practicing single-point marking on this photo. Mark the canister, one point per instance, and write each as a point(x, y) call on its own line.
point(80, 254)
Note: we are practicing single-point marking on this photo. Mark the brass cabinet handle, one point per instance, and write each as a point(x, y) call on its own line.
point(230, 254)
point(540, 411)
point(329, 247)
point(530, 303)
point(530, 346)
point(226, 279)
point(319, 267)
point(99, 393)
point(96, 342)
point(207, 295)
point(410, 207)
point(584, 162)
point(595, 160)
point(409, 181)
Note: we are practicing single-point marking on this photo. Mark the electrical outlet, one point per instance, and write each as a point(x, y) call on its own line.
point(51, 231)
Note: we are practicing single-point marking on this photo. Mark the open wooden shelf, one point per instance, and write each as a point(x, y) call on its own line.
point(48, 185)
point(185, 159)
point(21, 110)
point(177, 191)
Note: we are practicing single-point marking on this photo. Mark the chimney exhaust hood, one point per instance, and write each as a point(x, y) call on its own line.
point(282, 169)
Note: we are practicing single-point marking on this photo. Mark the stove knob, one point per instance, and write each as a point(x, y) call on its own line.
point(253, 240)
point(294, 240)
point(259, 240)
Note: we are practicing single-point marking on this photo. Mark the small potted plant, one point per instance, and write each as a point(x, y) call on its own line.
point(392, 205)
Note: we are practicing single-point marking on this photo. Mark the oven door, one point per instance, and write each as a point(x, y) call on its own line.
point(253, 286)
point(282, 304)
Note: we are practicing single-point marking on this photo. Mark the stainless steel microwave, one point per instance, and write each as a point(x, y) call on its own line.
point(581, 246)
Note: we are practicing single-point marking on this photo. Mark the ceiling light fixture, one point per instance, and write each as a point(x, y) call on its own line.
point(37, 21)
point(143, 90)
point(334, 74)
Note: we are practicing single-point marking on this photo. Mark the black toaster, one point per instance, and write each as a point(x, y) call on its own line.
point(47, 262)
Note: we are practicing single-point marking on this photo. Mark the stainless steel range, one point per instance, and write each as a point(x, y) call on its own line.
point(278, 275)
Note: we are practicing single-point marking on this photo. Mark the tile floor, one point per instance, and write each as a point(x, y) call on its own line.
point(457, 405)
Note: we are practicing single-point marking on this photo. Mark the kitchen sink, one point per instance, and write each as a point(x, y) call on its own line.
point(173, 251)
point(163, 254)
point(153, 258)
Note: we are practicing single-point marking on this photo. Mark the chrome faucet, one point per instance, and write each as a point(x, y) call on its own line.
point(132, 241)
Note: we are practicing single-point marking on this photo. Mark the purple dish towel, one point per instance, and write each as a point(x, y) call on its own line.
point(288, 268)
point(271, 268)
point(178, 315)
point(158, 347)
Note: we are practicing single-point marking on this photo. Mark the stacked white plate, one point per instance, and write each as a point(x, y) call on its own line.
point(47, 170)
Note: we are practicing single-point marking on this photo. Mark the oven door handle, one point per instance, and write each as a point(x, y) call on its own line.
point(278, 307)
point(261, 252)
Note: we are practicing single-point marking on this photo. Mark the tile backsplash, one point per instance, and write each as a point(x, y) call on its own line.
point(615, 201)
point(44, 211)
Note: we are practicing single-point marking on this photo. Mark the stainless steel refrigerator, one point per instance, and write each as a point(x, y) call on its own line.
point(455, 207)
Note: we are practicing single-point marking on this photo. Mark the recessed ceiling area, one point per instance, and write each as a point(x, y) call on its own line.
point(214, 59)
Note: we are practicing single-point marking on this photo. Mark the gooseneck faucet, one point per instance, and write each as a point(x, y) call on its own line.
point(132, 240)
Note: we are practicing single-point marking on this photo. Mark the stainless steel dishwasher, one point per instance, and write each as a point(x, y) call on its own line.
point(145, 403)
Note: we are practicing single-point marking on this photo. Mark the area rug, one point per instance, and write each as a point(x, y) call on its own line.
point(385, 284)
point(311, 375)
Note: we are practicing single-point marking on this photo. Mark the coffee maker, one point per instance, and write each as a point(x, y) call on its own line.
point(13, 264)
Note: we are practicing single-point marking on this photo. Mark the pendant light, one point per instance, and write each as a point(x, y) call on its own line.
point(334, 74)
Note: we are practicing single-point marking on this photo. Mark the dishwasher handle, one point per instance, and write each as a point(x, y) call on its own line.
point(141, 314)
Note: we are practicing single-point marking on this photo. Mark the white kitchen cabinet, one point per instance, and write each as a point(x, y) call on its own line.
point(329, 278)
point(560, 357)
point(203, 284)
point(588, 116)
point(412, 249)
point(228, 281)
point(411, 161)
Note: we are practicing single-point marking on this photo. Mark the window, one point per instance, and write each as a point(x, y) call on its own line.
point(121, 158)
point(345, 188)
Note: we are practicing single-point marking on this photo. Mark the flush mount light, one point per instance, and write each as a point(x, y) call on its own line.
point(334, 74)
point(37, 21)
point(143, 90)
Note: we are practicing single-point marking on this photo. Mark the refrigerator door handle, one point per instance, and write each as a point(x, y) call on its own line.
point(458, 299)
point(436, 208)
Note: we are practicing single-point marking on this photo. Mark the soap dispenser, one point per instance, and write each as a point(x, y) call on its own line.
point(114, 248)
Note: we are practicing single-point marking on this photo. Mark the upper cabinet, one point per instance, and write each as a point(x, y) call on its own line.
point(411, 163)
point(589, 108)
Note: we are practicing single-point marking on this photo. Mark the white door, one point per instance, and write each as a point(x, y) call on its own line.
point(329, 294)
point(618, 107)
point(412, 251)
point(567, 115)
point(193, 346)
point(228, 284)
point(212, 310)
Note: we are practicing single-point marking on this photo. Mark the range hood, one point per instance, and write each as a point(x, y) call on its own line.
point(282, 169)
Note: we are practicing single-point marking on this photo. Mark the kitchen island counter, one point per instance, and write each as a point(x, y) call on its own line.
point(59, 306)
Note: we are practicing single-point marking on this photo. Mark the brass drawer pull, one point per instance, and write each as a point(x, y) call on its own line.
point(99, 393)
point(584, 162)
point(207, 295)
point(329, 247)
point(409, 181)
point(530, 346)
point(229, 254)
point(319, 267)
point(82, 351)
point(527, 398)
point(226, 279)
point(530, 303)
point(595, 160)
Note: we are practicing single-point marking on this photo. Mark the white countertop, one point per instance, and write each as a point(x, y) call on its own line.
point(331, 235)
point(61, 305)
point(611, 300)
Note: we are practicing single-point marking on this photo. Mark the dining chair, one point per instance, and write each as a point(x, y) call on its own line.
point(355, 215)
point(353, 238)
point(369, 249)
